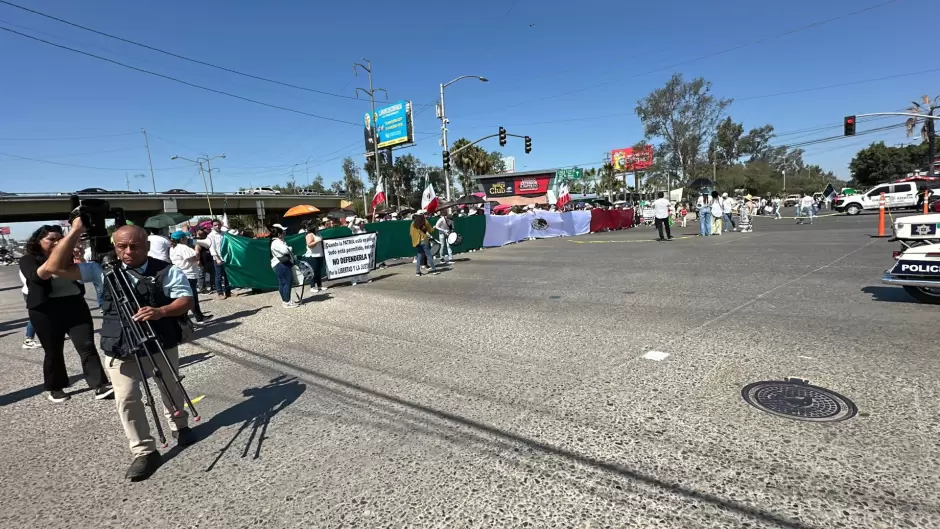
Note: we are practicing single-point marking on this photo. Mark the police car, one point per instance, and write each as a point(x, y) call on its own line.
point(917, 265)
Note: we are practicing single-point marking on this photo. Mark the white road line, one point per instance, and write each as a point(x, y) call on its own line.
point(656, 356)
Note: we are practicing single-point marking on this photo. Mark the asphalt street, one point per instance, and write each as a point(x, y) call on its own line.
point(512, 391)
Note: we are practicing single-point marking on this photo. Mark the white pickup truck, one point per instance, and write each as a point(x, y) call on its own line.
point(900, 195)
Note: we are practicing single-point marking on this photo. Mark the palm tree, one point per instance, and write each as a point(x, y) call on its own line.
point(609, 180)
point(925, 108)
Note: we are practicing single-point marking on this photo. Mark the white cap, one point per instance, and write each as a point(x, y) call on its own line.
point(421, 212)
point(724, 194)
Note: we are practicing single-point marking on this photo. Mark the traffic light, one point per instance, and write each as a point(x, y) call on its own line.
point(849, 126)
point(502, 137)
point(528, 145)
point(446, 160)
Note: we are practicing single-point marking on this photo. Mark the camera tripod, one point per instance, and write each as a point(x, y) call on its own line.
point(142, 340)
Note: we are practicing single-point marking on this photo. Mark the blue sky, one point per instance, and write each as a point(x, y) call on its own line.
point(607, 53)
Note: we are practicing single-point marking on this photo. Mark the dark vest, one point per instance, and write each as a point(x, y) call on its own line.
point(149, 291)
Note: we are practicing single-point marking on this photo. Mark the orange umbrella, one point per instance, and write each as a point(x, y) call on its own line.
point(304, 209)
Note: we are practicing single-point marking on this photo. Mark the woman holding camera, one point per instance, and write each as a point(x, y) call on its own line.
point(57, 308)
point(282, 261)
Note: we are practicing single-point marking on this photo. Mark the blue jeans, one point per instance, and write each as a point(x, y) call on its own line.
point(777, 211)
point(220, 278)
point(705, 222)
point(284, 280)
point(423, 250)
point(30, 332)
point(726, 220)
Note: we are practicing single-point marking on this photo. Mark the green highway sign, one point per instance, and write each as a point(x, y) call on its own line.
point(569, 174)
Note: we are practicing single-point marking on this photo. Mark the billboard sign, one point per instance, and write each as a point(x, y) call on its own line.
point(499, 187)
point(629, 160)
point(509, 163)
point(569, 174)
point(393, 125)
point(535, 185)
point(4, 230)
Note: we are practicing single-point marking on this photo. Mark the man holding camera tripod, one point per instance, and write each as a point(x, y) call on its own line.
point(165, 296)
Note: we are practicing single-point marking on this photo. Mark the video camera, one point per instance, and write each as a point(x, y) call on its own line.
point(94, 213)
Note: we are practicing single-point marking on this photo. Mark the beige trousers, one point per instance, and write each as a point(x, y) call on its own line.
point(129, 396)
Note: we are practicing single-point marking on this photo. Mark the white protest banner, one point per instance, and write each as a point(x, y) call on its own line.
point(349, 256)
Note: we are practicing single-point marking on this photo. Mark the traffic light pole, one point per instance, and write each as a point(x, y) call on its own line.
point(931, 133)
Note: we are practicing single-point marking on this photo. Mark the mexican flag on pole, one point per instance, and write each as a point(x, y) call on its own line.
point(379, 195)
point(429, 200)
point(563, 196)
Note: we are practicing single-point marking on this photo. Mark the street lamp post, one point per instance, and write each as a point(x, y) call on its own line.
point(199, 161)
point(443, 116)
point(371, 92)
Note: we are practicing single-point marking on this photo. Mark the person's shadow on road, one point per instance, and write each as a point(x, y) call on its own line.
point(254, 414)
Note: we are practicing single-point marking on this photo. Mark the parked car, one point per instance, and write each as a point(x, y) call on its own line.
point(92, 191)
point(897, 196)
point(263, 191)
point(791, 201)
point(178, 192)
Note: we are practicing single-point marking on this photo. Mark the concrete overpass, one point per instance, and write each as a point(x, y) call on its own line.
point(137, 207)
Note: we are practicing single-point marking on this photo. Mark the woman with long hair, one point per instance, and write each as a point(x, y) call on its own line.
point(421, 232)
point(314, 255)
point(282, 261)
point(57, 308)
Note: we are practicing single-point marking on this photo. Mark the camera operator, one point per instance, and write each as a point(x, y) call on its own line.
point(164, 295)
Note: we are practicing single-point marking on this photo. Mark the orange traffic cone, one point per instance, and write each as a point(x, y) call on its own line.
point(881, 216)
point(925, 202)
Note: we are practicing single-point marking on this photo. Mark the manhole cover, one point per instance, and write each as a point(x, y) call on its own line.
point(797, 399)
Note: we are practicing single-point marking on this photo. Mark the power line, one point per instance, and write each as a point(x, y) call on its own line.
point(171, 54)
point(839, 85)
point(713, 54)
point(213, 90)
point(73, 137)
point(83, 166)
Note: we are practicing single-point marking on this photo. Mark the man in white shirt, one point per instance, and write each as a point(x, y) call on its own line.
point(159, 245)
point(445, 225)
point(661, 208)
point(222, 288)
point(806, 204)
point(727, 204)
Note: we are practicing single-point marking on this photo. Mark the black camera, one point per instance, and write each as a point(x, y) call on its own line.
point(94, 213)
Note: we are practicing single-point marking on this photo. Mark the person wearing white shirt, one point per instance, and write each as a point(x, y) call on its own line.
point(717, 212)
point(661, 207)
point(776, 204)
point(444, 226)
point(314, 255)
point(159, 245)
point(727, 206)
point(282, 261)
point(704, 211)
point(187, 260)
point(806, 204)
point(222, 288)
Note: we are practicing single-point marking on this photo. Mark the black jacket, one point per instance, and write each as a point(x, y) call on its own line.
point(149, 292)
point(38, 289)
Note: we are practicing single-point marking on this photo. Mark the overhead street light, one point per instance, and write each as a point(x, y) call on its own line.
point(199, 161)
point(443, 116)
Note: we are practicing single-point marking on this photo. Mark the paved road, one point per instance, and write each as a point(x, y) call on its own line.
point(511, 392)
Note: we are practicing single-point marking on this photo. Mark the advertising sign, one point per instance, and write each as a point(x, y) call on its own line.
point(629, 161)
point(349, 256)
point(499, 187)
point(509, 163)
point(532, 185)
point(393, 125)
point(4, 230)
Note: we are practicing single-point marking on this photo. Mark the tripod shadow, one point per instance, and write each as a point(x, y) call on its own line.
point(254, 414)
point(195, 358)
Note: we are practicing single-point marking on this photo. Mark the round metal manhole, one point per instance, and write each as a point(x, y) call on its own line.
point(797, 399)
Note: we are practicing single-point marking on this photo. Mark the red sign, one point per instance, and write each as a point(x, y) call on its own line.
point(532, 185)
point(629, 160)
point(4, 230)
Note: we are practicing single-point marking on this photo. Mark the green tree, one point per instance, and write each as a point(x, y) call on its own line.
point(685, 116)
point(474, 161)
point(608, 184)
point(317, 185)
point(336, 188)
point(879, 163)
point(351, 180)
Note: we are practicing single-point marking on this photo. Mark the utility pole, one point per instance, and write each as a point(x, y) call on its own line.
point(444, 121)
point(209, 170)
point(127, 181)
point(200, 161)
point(371, 92)
point(149, 160)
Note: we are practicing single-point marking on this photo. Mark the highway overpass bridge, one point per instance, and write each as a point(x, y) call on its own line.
point(137, 207)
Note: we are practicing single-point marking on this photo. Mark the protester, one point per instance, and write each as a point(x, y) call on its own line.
point(776, 203)
point(744, 217)
point(703, 208)
point(421, 232)
point(717, 212)
point(727, 206)
point(282, 261)
point(166, 298)
point(684, 214)
point(444, 226)
point(215, 237)
point(806, 204)
point(159, 245)
point(358, 227)
point(57, 308)
point(206, 265)
point(661, 207)
point(314, 255)
point(29, 342)
point(186, 259)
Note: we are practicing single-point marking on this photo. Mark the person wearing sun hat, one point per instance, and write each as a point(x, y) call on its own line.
point(186, 259)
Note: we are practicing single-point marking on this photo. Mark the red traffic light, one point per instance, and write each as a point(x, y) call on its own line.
point(850, 120)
